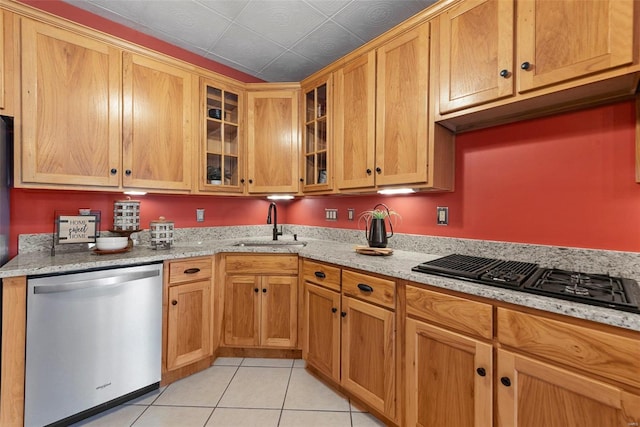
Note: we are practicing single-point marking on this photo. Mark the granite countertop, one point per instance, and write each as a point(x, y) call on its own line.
point(397, 265)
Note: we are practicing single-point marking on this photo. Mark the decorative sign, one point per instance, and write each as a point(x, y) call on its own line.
point(76, 228)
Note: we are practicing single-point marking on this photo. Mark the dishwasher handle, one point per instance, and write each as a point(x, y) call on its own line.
point(115, 280)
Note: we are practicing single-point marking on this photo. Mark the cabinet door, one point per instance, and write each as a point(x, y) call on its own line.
point(476, 45)
point(272, 142)
point(242, 310)
point(401, 113)
point(188, 330)
point(321, 346)
point(157, 124)
point(318, 130)
point(533, 394)
point(563, 40)
point(279, 313)
point(355, 119)
point(449, 378)
point(70, 108)
point(221, 162)
point(368, 354)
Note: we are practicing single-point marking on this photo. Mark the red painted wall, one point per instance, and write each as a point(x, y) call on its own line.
point(566, 180)
point(72, 13)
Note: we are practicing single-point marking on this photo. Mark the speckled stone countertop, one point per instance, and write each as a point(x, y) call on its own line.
point(397, 265)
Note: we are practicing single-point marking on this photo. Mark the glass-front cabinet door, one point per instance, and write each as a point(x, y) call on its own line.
point(222, 155)
point(318, 172)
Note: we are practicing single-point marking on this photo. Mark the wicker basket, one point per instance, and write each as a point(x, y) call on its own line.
point(161, 233)
point(126, 215)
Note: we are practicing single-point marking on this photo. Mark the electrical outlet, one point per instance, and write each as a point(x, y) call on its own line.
point(199, 215)
point(351, 214)
point(442, 215)
point(331, 214)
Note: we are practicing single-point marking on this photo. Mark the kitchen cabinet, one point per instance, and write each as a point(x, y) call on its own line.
point(492, 50)
point(70, 108)
point(261, 301)
point(321, 344)
point(221, 162)
point(383, 132)
point(272, 139)
point(317, 146)
point(9, 72)
point(157, 124)
point(188, 308)
point(449, 377)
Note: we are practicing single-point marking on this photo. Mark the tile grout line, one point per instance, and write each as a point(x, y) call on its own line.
point(293, 362)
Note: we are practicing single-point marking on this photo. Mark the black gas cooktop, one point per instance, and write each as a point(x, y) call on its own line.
point(596, 289)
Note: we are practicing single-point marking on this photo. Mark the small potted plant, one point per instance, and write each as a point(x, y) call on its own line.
point(375, 228)
point(214, 175)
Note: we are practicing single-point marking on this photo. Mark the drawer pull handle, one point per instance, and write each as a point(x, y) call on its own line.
point(192, 270)
point(365, 288)
point(320, 274)
point(481, 372)
point(174, 302)
point(334, 310)
point(505, 381)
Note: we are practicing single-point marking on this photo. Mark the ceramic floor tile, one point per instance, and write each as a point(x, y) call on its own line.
point(273, 363)
point(123, 415)
point(234, 417)
point(148, 398)
point(299, 363)
point(307, 392)
point(173, 416)
point(228, 361)
point(253, 387)
point(203, 389)
point(314, 419)
point(355, 407)
point(365, 420)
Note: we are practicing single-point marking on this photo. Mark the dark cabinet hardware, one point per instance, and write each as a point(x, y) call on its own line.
point(127, 172)
point(264, 290)
point(504, 73)
point(301, 179)
point(343, 314)
point(481, 372)
point(113, 171)
point(378, 170)
point(368, 171)
point(320, 274)
point(256, 290)
point(365, 288)
point(174, 302)
point(242, 181)
point(250, 181)
point(334, 310)
point(193, 270)
point(505, 381)
point(525, 66)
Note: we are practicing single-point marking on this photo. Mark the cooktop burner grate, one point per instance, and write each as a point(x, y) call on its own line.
point(458, 265)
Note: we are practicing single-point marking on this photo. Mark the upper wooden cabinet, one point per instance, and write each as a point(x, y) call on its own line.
point(156, 124)
point(493, 49)
point(70, 108)
point(272, 140)
point(221, 161)
point(383, 134)
point(317, 145)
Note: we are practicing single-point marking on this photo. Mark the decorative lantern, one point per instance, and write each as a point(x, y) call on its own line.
point(126, 215)
point(161, 233)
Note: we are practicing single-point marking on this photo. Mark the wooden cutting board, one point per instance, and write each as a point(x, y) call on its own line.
point(366, 250)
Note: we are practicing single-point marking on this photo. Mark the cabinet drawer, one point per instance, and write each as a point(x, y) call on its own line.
point(261, 264)
point(382, 292)
point(189, 270)
point(595, 351)
point(321, 274)
point(466, 316)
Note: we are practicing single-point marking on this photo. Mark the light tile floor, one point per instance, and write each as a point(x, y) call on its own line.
point(240, 392)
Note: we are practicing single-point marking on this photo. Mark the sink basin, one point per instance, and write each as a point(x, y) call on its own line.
point(273, 244)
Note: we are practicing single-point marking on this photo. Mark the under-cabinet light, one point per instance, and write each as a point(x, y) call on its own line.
point(397, 191)
point(280, 197)
point(135, 193)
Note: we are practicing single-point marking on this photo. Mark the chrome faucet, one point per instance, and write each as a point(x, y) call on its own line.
point(273, 208)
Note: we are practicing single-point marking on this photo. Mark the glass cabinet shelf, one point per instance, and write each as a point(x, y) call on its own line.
point(315, 139)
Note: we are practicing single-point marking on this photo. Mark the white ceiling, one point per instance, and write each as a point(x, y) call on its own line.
point(274, 40)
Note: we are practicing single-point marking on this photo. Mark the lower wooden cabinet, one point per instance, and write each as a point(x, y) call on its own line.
point(449, 378)
point(532, 393)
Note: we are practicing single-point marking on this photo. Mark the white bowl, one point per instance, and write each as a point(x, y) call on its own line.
point(111, 243)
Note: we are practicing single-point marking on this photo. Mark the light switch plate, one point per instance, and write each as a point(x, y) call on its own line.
point(442, 215)
point(199, 215)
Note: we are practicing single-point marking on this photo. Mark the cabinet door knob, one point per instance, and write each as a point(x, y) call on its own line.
point(264, 290)
point(113, 171)
point(320, 274)
point(368, 171)
point(334, 310)
point(481, 372)
point(250, 181)
point(378, 170)
point(365, 288)
point(504, 73)
point(343, 314)
point(193, 270)
point(256, 290)
point(174, 302)
point(525, 65)
point(505, 381)
point(127, 172)
point(301, 179)
point(242, 181)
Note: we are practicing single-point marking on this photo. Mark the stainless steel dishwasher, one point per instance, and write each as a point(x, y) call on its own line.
point(94, 340)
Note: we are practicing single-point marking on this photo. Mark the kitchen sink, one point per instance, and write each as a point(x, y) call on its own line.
point(273, 244)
